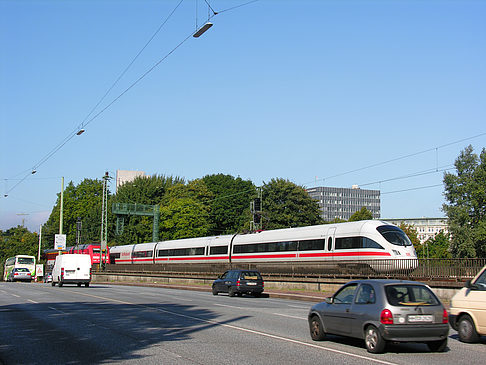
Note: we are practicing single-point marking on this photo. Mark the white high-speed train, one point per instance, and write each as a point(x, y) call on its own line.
point(352, 241)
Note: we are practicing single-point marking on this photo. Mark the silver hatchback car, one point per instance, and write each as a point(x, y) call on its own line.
point(382, 310)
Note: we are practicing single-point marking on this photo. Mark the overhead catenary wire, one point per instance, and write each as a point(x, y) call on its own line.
point(89, 120)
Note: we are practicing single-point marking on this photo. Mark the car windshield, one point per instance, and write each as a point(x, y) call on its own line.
point(22, 270)
point(251, 275)
point(410, 295)
point(394, 235)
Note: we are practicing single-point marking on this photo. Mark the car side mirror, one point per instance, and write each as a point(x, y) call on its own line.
point(329, 300)
point(471, 286)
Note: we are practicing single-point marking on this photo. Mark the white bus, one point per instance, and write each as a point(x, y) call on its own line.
point(17, 262)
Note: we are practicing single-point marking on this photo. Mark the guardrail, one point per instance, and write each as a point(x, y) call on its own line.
point(443, 270)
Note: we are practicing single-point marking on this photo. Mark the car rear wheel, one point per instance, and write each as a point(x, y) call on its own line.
point(60, 284)
point(437, 346)
point(257, 295)
point(466, 330)
point(373, 340)
point(231, 292)
point(316, 329)
point(53, 283)
point(79, 284)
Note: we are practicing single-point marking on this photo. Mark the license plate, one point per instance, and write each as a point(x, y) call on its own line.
point(251, 283)
point(421, 318)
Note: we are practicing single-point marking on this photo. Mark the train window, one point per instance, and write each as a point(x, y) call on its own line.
point(309, 245)
point(369, 243)
point(266, 247)
point(394, 235)
point(218, 250)
point(193, 251)
point(115, 255)
point(329, 244)
point(344, 243)
point(162, 253)
point(142, 254)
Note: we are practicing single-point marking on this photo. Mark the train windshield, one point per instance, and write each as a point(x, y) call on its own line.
point(394, 235)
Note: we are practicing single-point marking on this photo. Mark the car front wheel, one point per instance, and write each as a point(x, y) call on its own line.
point(215, 292)
point(373, 340)
point(316, 329)
point(466, 330)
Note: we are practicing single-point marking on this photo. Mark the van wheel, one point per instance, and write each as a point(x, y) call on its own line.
point(79, 284)
point(316, 329)
point(86, 285)
point(53, 283)
point(466, 330)
point(437, 346)
point(373, 340)
point(60, 284)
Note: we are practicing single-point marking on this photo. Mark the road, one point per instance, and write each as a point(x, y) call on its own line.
point(41, 324)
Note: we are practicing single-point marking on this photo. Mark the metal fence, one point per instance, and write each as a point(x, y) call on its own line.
point(444, 270)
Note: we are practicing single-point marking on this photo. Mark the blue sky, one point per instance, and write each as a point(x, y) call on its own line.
point(303, 90)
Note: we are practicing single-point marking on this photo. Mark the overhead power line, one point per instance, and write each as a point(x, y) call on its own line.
point(80, 128)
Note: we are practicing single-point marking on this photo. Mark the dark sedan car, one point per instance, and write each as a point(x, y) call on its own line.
point(238, 282)
point(382, 310)
point(20, 274)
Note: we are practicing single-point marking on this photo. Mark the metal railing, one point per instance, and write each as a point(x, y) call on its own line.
point(443, 270)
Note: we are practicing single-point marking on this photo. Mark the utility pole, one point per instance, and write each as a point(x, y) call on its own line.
point(61, 207)
point(256, 212)
point(104, 219)
point(23, 218)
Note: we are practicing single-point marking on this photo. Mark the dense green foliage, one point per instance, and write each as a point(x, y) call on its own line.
point(185, 211)
point(361, 215)
point(412, 233)
point(149, 190)
point(465, 193)
point(84, 201)
point(435, 248)
point(286, 204)
point(17, 241)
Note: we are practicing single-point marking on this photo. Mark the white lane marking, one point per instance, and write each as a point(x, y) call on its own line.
point(229, 306)
point(285, 315)
point(15, 295)
point(264, 334)
point(32, 301)
point(297, 306)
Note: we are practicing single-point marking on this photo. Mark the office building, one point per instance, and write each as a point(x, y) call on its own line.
point(342, 203)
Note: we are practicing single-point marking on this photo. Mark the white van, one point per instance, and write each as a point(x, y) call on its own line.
point(468, 309)
point(72, 269)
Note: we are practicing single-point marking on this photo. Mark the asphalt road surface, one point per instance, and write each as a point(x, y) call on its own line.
point(41, 324)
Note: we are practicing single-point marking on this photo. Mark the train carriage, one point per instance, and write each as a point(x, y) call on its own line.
point(372, 241)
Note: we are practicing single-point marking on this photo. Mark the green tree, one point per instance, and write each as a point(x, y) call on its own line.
point(411, 233)
point(185, 212)
point(465, 193)
point(18, 241)
point(286, 204)
point(436, 248)
point(361, 215)
point(149, 190)
point(84, 201)
point(230, 205)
